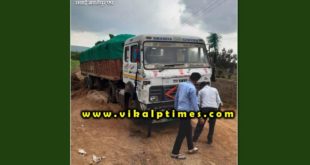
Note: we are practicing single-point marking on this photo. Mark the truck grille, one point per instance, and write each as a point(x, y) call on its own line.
point(160, 91)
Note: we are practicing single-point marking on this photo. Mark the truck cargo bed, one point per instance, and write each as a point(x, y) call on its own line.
point(107, 69)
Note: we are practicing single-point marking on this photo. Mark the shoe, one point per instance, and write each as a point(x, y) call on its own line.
point(209, 142)
point(178, 156)
point(194, 150)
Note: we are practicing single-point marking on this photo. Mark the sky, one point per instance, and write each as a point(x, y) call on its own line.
point(91, 23)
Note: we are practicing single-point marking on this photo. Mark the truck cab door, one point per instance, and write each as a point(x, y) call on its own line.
point(131, 59)
point(126, 61)
point(131, 64)
point(136, 65)
point(135, 57)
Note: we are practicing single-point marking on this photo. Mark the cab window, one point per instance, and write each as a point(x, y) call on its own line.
point(126, 54)
point(135, 53)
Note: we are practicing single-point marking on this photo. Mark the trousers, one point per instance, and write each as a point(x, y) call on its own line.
point(199, 126)
point(185, 130)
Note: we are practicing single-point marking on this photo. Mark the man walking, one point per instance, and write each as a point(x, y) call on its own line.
point(209, 101)
point(185, 100)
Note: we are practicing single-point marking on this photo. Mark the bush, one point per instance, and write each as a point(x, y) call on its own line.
point(75, 55)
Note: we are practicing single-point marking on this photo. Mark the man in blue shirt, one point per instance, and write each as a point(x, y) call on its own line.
point(185, 100)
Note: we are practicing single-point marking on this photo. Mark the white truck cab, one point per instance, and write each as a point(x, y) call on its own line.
point(153, 66)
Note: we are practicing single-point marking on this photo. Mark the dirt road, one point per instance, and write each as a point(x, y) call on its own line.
point(125, 142)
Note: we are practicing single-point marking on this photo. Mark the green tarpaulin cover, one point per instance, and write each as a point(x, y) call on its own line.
point(108, 50)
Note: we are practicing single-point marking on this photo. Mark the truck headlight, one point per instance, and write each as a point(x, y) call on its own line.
point(153, 98)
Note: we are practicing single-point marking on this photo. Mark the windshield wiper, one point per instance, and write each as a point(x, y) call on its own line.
point(173, 64)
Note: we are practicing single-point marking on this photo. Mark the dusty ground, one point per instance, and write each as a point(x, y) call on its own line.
point(125, 142)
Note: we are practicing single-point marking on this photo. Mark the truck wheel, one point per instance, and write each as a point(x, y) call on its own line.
point(98, 83)
point(104, 83)
point(130, 103)
point(112, 92)
point(126, 101)
point(90, 82)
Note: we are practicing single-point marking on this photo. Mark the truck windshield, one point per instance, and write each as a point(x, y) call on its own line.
point(160, 55)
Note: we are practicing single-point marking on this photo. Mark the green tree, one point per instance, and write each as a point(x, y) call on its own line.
point(75, 55)
point(214, 40)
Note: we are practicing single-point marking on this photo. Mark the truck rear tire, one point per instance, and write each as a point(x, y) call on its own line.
point(126, 101)
point(112, 92)
point(89, 82)
point(98, 83)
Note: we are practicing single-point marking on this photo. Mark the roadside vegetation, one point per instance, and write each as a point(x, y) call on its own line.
point(225, 61)
point(74, 60)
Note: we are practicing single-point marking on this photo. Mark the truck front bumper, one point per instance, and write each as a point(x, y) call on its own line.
point(161, 106)
point(169, 105)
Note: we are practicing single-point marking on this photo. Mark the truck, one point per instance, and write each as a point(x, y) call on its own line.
point(142, 72)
